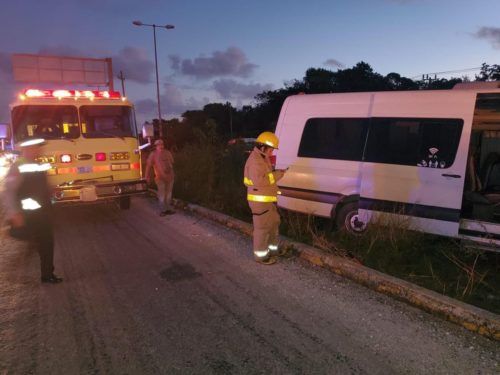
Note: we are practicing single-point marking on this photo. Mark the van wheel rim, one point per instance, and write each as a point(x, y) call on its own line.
point(356, 225)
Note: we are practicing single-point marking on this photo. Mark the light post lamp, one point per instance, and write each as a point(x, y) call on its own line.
point(168, 27)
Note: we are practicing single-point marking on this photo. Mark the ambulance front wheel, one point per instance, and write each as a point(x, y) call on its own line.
point(124, 203)
point(347, 219)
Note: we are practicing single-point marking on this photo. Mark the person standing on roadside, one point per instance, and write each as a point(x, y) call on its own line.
point(29, 207)
point(260, 180)
point(161, 161)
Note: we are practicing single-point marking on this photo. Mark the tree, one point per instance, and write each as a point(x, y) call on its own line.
point(489, 73)
point(396, 82)
point(361, 77)
point(318, 81)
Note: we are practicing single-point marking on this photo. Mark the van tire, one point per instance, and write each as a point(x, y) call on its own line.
point(346, 219)
point(124, 203)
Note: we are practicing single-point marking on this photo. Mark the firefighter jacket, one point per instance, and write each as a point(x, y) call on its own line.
point(260, 179)
point(27, 190)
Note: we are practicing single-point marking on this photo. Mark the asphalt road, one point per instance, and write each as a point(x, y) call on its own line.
point(144, 294)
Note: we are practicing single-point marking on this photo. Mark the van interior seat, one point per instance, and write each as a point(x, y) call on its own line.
point(491, 173)
point(484, 187)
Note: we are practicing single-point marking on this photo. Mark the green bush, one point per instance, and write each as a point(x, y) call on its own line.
point(210, 173)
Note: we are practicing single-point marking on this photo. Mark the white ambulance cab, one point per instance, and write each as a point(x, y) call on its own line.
point(430, 159)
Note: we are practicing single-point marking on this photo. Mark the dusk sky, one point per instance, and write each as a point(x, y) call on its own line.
point(225, 50)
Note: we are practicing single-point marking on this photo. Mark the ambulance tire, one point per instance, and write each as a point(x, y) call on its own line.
point(124, 203)
point(346, 219)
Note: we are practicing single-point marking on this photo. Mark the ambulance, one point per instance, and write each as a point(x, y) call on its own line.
point(429, 160)
point(91, 146)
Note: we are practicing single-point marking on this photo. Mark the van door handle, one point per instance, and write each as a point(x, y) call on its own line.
point(451, 175)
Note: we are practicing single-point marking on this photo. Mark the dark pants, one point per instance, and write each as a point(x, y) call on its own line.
point(43, 241)
point(38, 231)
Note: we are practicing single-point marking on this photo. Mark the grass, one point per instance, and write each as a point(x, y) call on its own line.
point(210, 174)
point(433, 262)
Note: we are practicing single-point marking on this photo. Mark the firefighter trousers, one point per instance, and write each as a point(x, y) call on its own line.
point(41, 237)
point(266, 222)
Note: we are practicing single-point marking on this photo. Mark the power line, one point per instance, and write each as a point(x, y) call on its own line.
point(447, 72)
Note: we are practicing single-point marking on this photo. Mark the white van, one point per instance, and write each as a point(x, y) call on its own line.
point(430, 158)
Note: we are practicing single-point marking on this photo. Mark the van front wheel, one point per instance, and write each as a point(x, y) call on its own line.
point(347, 219)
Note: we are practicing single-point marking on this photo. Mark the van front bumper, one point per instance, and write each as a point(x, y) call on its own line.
point(88, 193)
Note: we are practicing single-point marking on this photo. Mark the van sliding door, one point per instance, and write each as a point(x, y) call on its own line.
point(414, 162)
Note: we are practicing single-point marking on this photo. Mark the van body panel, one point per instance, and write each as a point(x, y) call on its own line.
point(427, 225)
point(300, 108)
point(316, 178)
point(306, 206)
point(320, 181)
point(431, 197)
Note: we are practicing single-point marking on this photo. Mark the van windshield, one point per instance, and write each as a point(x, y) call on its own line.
point(107, 121)
point(44, 121)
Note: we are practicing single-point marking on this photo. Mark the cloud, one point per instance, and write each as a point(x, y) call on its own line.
point(134, 64)
point(231, 62)
point(334, 63)
point(491, 34)
point(172, 103)
point(231, 89)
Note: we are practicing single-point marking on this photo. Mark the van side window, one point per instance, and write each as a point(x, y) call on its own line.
point(334, 138)
point(418, 142)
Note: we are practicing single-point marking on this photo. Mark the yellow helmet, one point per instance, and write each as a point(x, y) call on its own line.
point(268, 139)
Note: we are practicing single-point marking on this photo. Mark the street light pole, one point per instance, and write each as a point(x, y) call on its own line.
point(154, 26)
point(157, 84)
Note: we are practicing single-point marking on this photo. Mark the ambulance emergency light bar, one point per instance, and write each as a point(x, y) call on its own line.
point(70, 94)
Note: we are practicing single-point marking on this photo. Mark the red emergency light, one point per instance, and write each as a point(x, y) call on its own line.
point(70, 94)
point(100, 156)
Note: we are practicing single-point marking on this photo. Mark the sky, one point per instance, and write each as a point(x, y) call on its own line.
point(231, 50)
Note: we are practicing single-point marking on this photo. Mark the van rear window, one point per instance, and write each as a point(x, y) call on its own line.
point(334, 138)
point(409, 141)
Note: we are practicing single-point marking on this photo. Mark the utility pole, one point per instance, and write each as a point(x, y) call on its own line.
point(121, 77)
point(230, 108)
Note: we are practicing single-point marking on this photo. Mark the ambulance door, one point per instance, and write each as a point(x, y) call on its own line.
point(414, 163)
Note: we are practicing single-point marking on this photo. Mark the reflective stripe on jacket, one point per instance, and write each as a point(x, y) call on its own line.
point(260, 179)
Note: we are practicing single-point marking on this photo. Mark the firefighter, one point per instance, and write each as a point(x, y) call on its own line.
point(260, 180)
point(28, 206)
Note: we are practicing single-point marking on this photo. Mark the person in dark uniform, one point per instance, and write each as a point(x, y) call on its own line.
point(28, 206)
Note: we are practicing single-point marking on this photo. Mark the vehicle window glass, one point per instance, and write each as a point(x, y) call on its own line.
point(418, 142)
point(44, 121)
point(107, 121)
point(334, 138)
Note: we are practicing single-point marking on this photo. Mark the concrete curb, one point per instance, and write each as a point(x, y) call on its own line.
point(472, 318)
